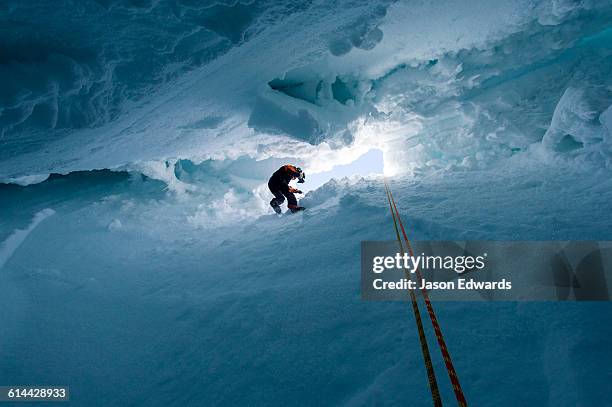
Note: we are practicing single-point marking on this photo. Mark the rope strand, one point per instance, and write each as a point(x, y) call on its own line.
point(452, 374)
point(431, 375)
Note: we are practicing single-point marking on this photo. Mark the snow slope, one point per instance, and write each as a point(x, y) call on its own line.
point(121, 297)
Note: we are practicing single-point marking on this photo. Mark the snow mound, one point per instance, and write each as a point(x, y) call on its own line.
point(272, 304)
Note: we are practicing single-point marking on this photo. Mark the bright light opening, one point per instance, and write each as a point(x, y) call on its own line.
point(370, 163)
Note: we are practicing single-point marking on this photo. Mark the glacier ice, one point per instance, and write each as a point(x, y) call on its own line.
point(136, 139)
point(185, 96)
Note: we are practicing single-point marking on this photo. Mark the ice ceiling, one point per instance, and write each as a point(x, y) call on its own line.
point(143, 84)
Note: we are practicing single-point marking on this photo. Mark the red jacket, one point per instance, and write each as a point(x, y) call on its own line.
point(284, 175)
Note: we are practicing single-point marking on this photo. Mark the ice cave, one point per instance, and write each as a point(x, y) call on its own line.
point(142, 265)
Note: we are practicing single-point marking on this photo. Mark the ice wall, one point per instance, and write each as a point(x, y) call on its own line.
point(435, 85)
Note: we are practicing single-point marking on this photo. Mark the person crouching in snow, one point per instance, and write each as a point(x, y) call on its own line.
point(279, 186)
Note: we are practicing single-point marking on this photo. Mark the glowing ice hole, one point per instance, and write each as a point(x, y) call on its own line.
point(370, 163)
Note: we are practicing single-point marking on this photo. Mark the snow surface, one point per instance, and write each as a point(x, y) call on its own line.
point(154, 272)
point(123, 297)
point(13, 242)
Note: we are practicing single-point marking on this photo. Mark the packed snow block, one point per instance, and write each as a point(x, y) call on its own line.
point(362, 34)
point(320, 88)
point(576, 121)
point(606, 120)
point(307, 90)
point(312, 105)
point(164, 171)
point(277, 115)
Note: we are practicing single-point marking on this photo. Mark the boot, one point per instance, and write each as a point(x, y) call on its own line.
point(276, 207)
point(295, 208)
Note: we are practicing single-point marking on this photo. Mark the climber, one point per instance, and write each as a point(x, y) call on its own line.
point(279, 186)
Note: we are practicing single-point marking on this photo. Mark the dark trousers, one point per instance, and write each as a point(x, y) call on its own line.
point(281, 191)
